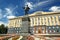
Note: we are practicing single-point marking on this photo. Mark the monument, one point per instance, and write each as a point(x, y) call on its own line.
point(26, 9)
point(25, 27)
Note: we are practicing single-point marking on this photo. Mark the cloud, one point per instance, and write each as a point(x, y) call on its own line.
point(40, 3)
point(33, 6)
point(6, 14)
point(1, 16)
point(10, 17)
point(3, 23)
point(0, 11)
point(55, 9)
point(29, 4)
point(8, 11)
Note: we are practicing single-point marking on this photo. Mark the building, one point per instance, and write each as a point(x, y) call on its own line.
point(49, 22)
point(18, 25)
point(40, 23)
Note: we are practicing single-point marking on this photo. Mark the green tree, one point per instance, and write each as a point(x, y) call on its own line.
point(3, 29)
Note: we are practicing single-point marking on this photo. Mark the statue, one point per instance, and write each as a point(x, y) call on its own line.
point(26, 9)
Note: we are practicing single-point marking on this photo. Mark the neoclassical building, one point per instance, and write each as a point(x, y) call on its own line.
point(38, 23)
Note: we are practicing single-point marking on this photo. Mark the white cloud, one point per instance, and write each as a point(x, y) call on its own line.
point(55, 8)
point(1, 16)
point(8, 11)
point(5, 15)
point(32, 6)
point(29, 4)
point(10, 17)
point(3, 23)
point(0, 11)
point(40, 3)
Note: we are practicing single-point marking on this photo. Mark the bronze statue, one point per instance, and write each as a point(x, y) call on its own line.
point(26, 9)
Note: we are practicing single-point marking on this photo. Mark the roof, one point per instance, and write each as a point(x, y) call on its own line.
point(37, 13)
point(43, 13)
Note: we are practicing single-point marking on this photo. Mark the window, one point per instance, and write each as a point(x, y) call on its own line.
point(55, 18)
point(48, 21)
point(33, 31)
point(49, 27)
point(59, 18)
point(54, 31)
point(57, 27)
point(32, 20)
point(49, 31)
point(52, 22)
point(53, 27)
point(15, 28)
point(36, 31)
point(46, 31)
point(56, 23)
point(43, 27)
point(51, 18)
point(43, 31)
point(20, 28)
point(45, 20)
point(57, 30)
point(38, 20)
point(42, 21)
point(17, 31)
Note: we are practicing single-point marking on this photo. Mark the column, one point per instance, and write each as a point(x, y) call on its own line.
point(57, 20)
point(40, 21)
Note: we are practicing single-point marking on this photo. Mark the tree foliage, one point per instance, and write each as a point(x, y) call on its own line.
point(3, 29)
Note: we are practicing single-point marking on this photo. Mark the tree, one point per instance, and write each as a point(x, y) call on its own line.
point(3, 29)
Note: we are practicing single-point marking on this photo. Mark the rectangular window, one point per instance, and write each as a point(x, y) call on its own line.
point(59, 18)
point(32, 21)
point(52, 20)
point(45, 20)
point(48, 21)
point(38, 20)
point(42, 21)
point(43, 29)
point(55, 18)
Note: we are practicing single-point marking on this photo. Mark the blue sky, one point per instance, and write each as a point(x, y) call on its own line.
point(14, 8)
